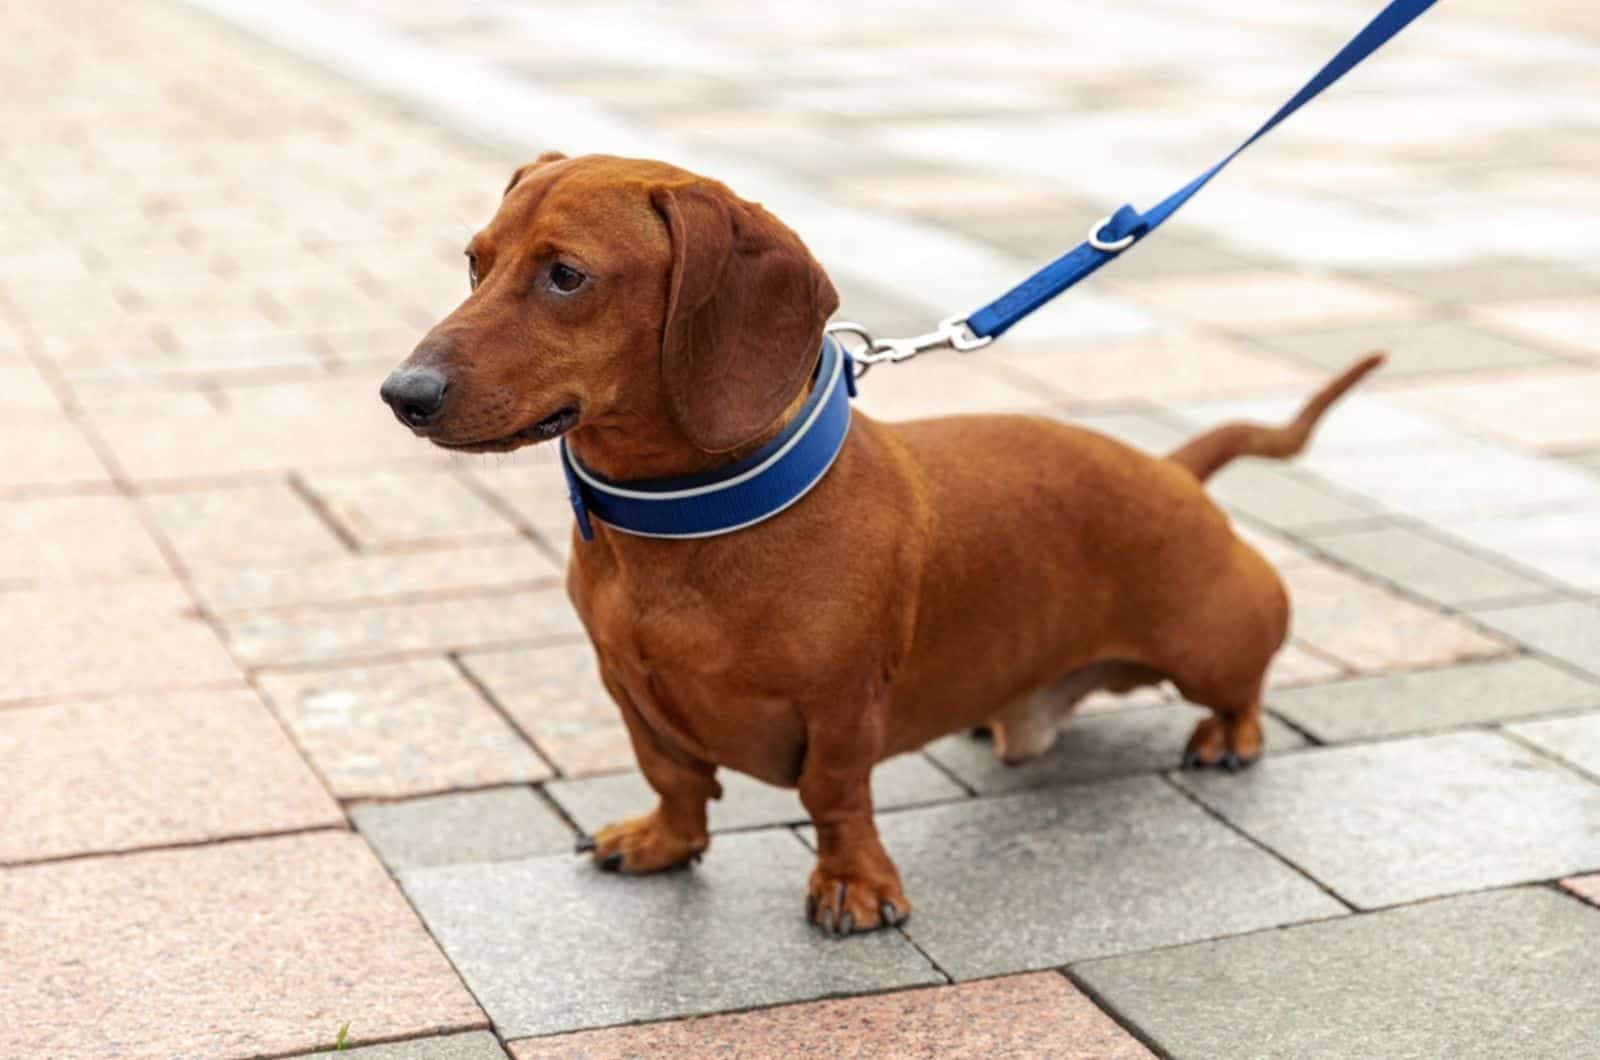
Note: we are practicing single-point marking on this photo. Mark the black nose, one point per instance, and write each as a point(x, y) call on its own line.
point(415, 394)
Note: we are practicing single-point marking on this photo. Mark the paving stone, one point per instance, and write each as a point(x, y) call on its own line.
point(1568, 630)
point(400, 729)
point(381, 509)
point(1426, 700)
point(905, 780)
point(1167, 366)
point(150, 771)
point(244, 949)
point(1585, 887)
point(1422, 348)
point(1494, 280)
point(307, 637)
point(1035, 880)
point(1562, 545)
point(530, 482)
point(76, 539)
point(38, 450)
point(1295, 665)
point(1575, 740)
point(1460, 481)
point(1357, 623)
point(555, 696)
point(727, 934)
point(1284, 497)
point(1550, 410)
point(225, 527)
point(373, 578)
point(477, 1045)
point(1417, 818)
point(1569, 325)
point(112, 638)
point(1039, 1016)
point(1428, 567)
point(501, 824)
point(1358, 424)
point(1479, 977)
point(1272, 299)
point(1092, 746)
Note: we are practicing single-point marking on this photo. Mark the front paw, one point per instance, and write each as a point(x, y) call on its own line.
point(642, 844)
point(841, 903)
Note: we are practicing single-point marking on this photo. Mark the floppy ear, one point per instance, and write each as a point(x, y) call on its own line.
point(522, 171)
point(745, 312)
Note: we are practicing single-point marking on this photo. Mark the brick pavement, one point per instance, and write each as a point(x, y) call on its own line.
point(297, 723)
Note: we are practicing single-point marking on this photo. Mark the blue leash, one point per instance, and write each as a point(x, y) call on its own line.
point(1112, 235)
point(764, 484)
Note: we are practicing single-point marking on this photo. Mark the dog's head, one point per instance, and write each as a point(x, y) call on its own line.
point(616, 295)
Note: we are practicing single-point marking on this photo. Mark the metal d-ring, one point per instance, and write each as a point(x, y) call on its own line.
point(1101, 245)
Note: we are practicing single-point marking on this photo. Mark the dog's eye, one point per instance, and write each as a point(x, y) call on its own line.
point(472, 271)
point(565, 278)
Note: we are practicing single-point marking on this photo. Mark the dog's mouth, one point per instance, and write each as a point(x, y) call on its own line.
point(554, 425)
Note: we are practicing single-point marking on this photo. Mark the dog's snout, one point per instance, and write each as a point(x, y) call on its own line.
point(415, 394)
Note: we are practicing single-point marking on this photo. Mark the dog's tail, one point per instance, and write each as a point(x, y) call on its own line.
point(1213, 450)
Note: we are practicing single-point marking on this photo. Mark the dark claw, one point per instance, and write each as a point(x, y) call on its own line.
point(1191, 759)
point(827, 919)
point(981, 732)
point(846, 922)
point(1230, 762)
point(890, 915)
point(585, 844)
point(612, 862)
point(811, 909)
point(695, 857)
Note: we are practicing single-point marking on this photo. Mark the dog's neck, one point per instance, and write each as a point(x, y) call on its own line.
point(649, 447)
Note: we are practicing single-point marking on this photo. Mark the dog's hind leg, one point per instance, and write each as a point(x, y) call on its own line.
point(1029, 727)
point(1231, 737)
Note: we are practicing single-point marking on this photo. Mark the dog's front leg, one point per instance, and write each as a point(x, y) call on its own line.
point(854, 887)
point(672, 834)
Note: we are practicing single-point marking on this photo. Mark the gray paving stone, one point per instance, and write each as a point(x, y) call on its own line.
point(496, 825)
point(1489, 281)
point(1417, 701)
point(1092, 746)
point(1417, 818)
point(1039, 879)
point(1283, 497)
point(1427, 567)
point(553, 944)
point(479, 1045)
point(1414, 349)
point(1576, 739)
point(1478, 977)
point(1568, 630)
point(907, 780)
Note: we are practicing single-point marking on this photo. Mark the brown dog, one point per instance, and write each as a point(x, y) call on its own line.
point(944, 574)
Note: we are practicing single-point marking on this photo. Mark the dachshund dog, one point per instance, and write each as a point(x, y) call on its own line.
point(944, 574)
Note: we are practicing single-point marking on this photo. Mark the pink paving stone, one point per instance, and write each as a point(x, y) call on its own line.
point(948, 386)
point(325, 425)
point(1367, 628)
point(1019, 1017)
point(307, 636)
point(150, 770)
point(244, 949)
point(1246, 301)
point(386, 508)
point(1542, 410)
point(1585, 887)
point(37, 450)
point(408, 728)
point(1571, 325)
point(374, 578)
point(959, 195)
point(245, 525)
point(86, 639)
point(89, 537)
point(531, 484)
point(1294, 665)
point(554, 695)
point(1168, 367)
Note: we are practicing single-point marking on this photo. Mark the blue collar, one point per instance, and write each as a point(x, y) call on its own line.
point(733, 497)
